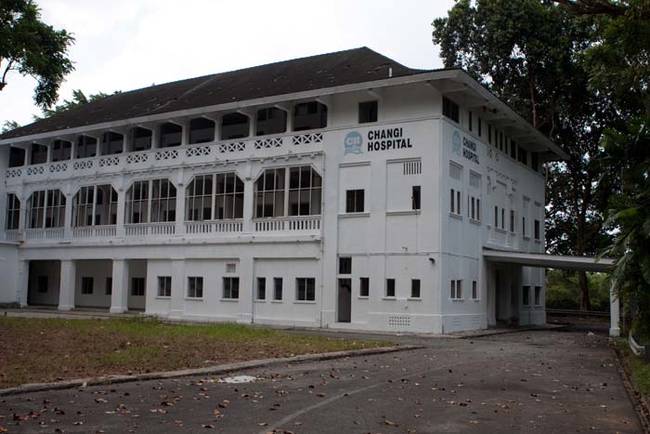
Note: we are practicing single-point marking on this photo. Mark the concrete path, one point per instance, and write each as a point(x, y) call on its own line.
point(542, 381)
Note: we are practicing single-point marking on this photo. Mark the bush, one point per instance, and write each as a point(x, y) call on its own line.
point(562, 290)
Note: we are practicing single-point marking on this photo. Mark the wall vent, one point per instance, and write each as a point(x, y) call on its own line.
point(399, 321)
point(413, 167)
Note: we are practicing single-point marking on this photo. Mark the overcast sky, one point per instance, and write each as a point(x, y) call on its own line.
point(128, 44)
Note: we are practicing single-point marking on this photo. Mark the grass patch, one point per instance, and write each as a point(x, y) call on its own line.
point(639, 369)
point(44, 350)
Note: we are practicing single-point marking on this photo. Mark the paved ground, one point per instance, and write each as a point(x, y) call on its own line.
point(542, 381)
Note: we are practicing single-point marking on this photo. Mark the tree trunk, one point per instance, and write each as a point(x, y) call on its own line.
point(583, 284)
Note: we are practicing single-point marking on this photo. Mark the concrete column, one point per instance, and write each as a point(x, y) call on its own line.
point(22, 217)
point(185, 133)
point(67, 285)
point(177, 305)
point(246, 292)
point(180, 203)
point(121, 204)
point(22, 282)
point(155, 136)
point(120, 293)
point(614, 313)
point(67, 225)
point(248, 224)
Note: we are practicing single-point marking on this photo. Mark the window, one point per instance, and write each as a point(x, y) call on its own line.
point(151, 201)
point(415, 197)
point(480, 127)
point(94, 205)
point(271, 120)
point(112, 143)
point(234, 126)
point(164, 286)
point(345, 265)
point(13, 212)
point(525, 295)
point(309, 116)
point(390, 287)
point(305, 289)
point(39, 154)
point(513, 149)
point(415, 288)
point(46, 208)
point(304, 191)
point(503, 219)
point(277, 288)
point(231, 267)
point(224, 191)
point(523, 155)
point(512, 221)
point(201, 130)
point(538, 296)
point(364, 287)
point(534, 161)
point(269, 193)
point(86, 147)
point(261, 288)
point(496, 216)
point(450, 109)
point(61, 150)
point(16, 157)
point(523, 227)
point(456, 289)
point(368, 112)
point(354, 201)
point(537, 230)
point(474, 290)
point(231, 288)
point(198, 198)
point(140, 139)
point(170, 135)
point(470, 120)
point(475, 208)
point(137, 286)
point(42, 284)
point(108, 289)
point(87, 285)
point(455, 202)
point(195, 287)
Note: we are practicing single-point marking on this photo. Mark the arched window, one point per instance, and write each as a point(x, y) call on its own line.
point(234, 126)
point(309, 116)
point(95, 205)
point(215, 197)
point(140, 139)
point(13, 212)
point(304, 191)
point(112, 143)
point(46, 209)
point(61, 150)
point(151, 201)
point(170, 135)
point(201, 130)
point(271, 120)
point(39, 154)
point(269, 193)
point(86, 147)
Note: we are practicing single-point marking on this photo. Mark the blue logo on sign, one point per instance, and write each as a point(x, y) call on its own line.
point(455, 142)
point(352, 143)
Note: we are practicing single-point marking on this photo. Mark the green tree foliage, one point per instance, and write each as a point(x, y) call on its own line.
point(528, 53)
point(33, 48)
point(78, 98)
point(8, 126)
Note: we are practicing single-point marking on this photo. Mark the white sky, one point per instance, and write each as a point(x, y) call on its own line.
point(128, 44)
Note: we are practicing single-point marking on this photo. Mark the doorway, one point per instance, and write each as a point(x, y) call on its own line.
point(345, 301)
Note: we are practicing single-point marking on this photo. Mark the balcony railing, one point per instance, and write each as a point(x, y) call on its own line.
point(213, 226)
point(94, 231)
point(148, 229)
point(288, 224)
point(44, 233)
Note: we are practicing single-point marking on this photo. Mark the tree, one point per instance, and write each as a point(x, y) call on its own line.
point(8, 126)
point(528, 52)
point(33, 48)
point(78, 98)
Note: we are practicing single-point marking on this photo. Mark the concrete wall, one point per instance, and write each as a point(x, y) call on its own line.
point(99, 271)
point(9, 272)
point(50, 270)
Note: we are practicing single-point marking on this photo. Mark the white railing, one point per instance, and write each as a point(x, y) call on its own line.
point(44, 233)
point(150, 229)
point(94, 231)
point(213, 226)
point(290, 224)
point(12, 235)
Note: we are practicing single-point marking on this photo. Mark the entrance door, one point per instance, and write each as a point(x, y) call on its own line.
point(345, 300)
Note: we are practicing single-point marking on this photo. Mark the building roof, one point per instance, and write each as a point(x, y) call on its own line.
point(308, 73)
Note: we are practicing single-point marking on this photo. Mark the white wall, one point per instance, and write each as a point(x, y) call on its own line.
point(9, 273)
point(99, 271)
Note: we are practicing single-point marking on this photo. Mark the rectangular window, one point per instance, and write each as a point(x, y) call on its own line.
point(496, 216)
point(277, 288)
point(415, 197)
point(305, 289)
point(478, 209)
point(450, 109)
point(470, 121)
point(480, 127)
point(109, 286)
point(456, 287)
point(354, 201)
point(42, 284)
point(231, 288)
point(415, 288)
point(474, 290)
point(525, 295)
point(13, 212)
point(137, 286)
point(503, 218)
point(87, 285)
point(455, 202)
point(537, 231)
point(368, 112)
point(390, 287)
point(512, 221)
point(523, 227)
point(164, 286)
point(195, 287)
point(538, 296)
point(364, 287)
point(345, 265)
point(261, 288)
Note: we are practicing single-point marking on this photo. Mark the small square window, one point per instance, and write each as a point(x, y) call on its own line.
point(415, 197)
point(195, 287)
point(354, 201)
point(368, 112)
point(109, 286)
point(305, 289)
point(164, 286)
point(231, 288)
point(277, 288)
point(345, 265)
point(231, 268)
point(364, 287)
point(415, 288)
point(87, 285)
point(390, 287)
point(137, 286)
point(261, 288)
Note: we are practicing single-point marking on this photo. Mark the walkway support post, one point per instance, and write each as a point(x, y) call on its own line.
point(614, 312)
point(67, 284)
point(120, 291)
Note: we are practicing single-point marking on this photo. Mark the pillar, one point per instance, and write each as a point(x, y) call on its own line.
point(121, 205)
point(22, 283)
point(67, 225)
point(177, 304)
point(614, 312)
point(120, 293)
point(180, 203)
point(249, 193)
point(67, 285)
point(246, 292)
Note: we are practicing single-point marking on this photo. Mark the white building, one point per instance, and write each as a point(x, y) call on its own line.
point(342, 190)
